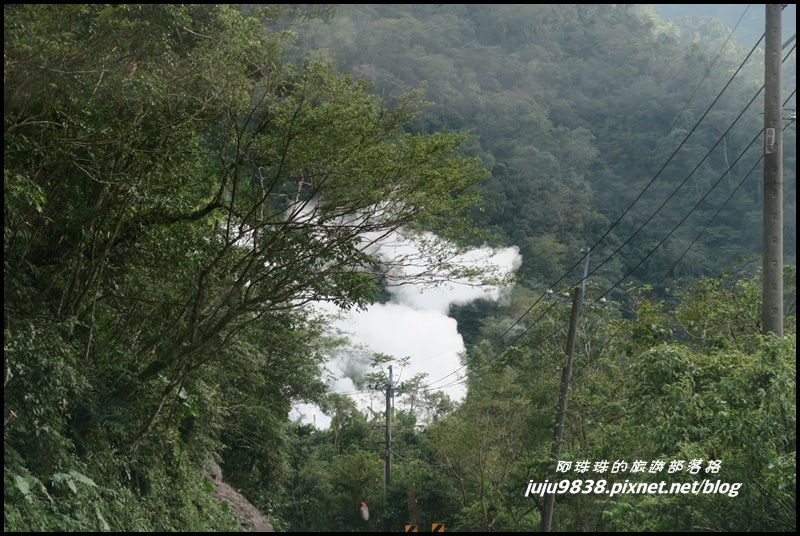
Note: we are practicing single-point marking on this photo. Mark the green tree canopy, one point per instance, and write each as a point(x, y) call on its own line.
point(174, 194)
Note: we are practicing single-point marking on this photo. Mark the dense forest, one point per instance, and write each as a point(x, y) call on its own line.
point(183, 183)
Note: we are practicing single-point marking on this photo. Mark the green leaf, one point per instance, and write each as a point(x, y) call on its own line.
point(83, 479)
point(24, 485)
point(101, 519)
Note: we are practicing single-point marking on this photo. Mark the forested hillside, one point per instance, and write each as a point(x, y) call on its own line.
point(575, 108)
point(182, 183)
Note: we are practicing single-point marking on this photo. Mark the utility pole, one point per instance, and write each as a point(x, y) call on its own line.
point(578, 294)
point(387, 462)
point(772, 257)
point(600, 303)
point(561, 412)
point(586, 250)
point(387, 467)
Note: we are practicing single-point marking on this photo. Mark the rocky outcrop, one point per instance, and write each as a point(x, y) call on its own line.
point(252, 520)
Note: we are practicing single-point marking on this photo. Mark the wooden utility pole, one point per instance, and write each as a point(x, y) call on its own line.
point(561, 412)
point(772, 261)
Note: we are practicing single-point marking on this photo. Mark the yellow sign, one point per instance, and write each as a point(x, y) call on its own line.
point(437, 527)
point(411, 528)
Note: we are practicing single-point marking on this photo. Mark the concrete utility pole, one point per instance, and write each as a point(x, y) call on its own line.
point(588, 251)
point(600, 303)
point(561, 412)
point(772, 261)
point(387, 468)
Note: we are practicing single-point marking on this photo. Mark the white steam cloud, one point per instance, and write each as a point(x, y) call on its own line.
point(414, 322)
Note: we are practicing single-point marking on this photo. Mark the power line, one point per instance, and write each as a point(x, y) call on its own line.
point(705, 75)
point(650, 183)
point(696, 206)
point(658, 173)
point(432, 384)
point(702, 231)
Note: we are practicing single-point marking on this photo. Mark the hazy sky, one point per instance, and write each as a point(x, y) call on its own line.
point(748, 17)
